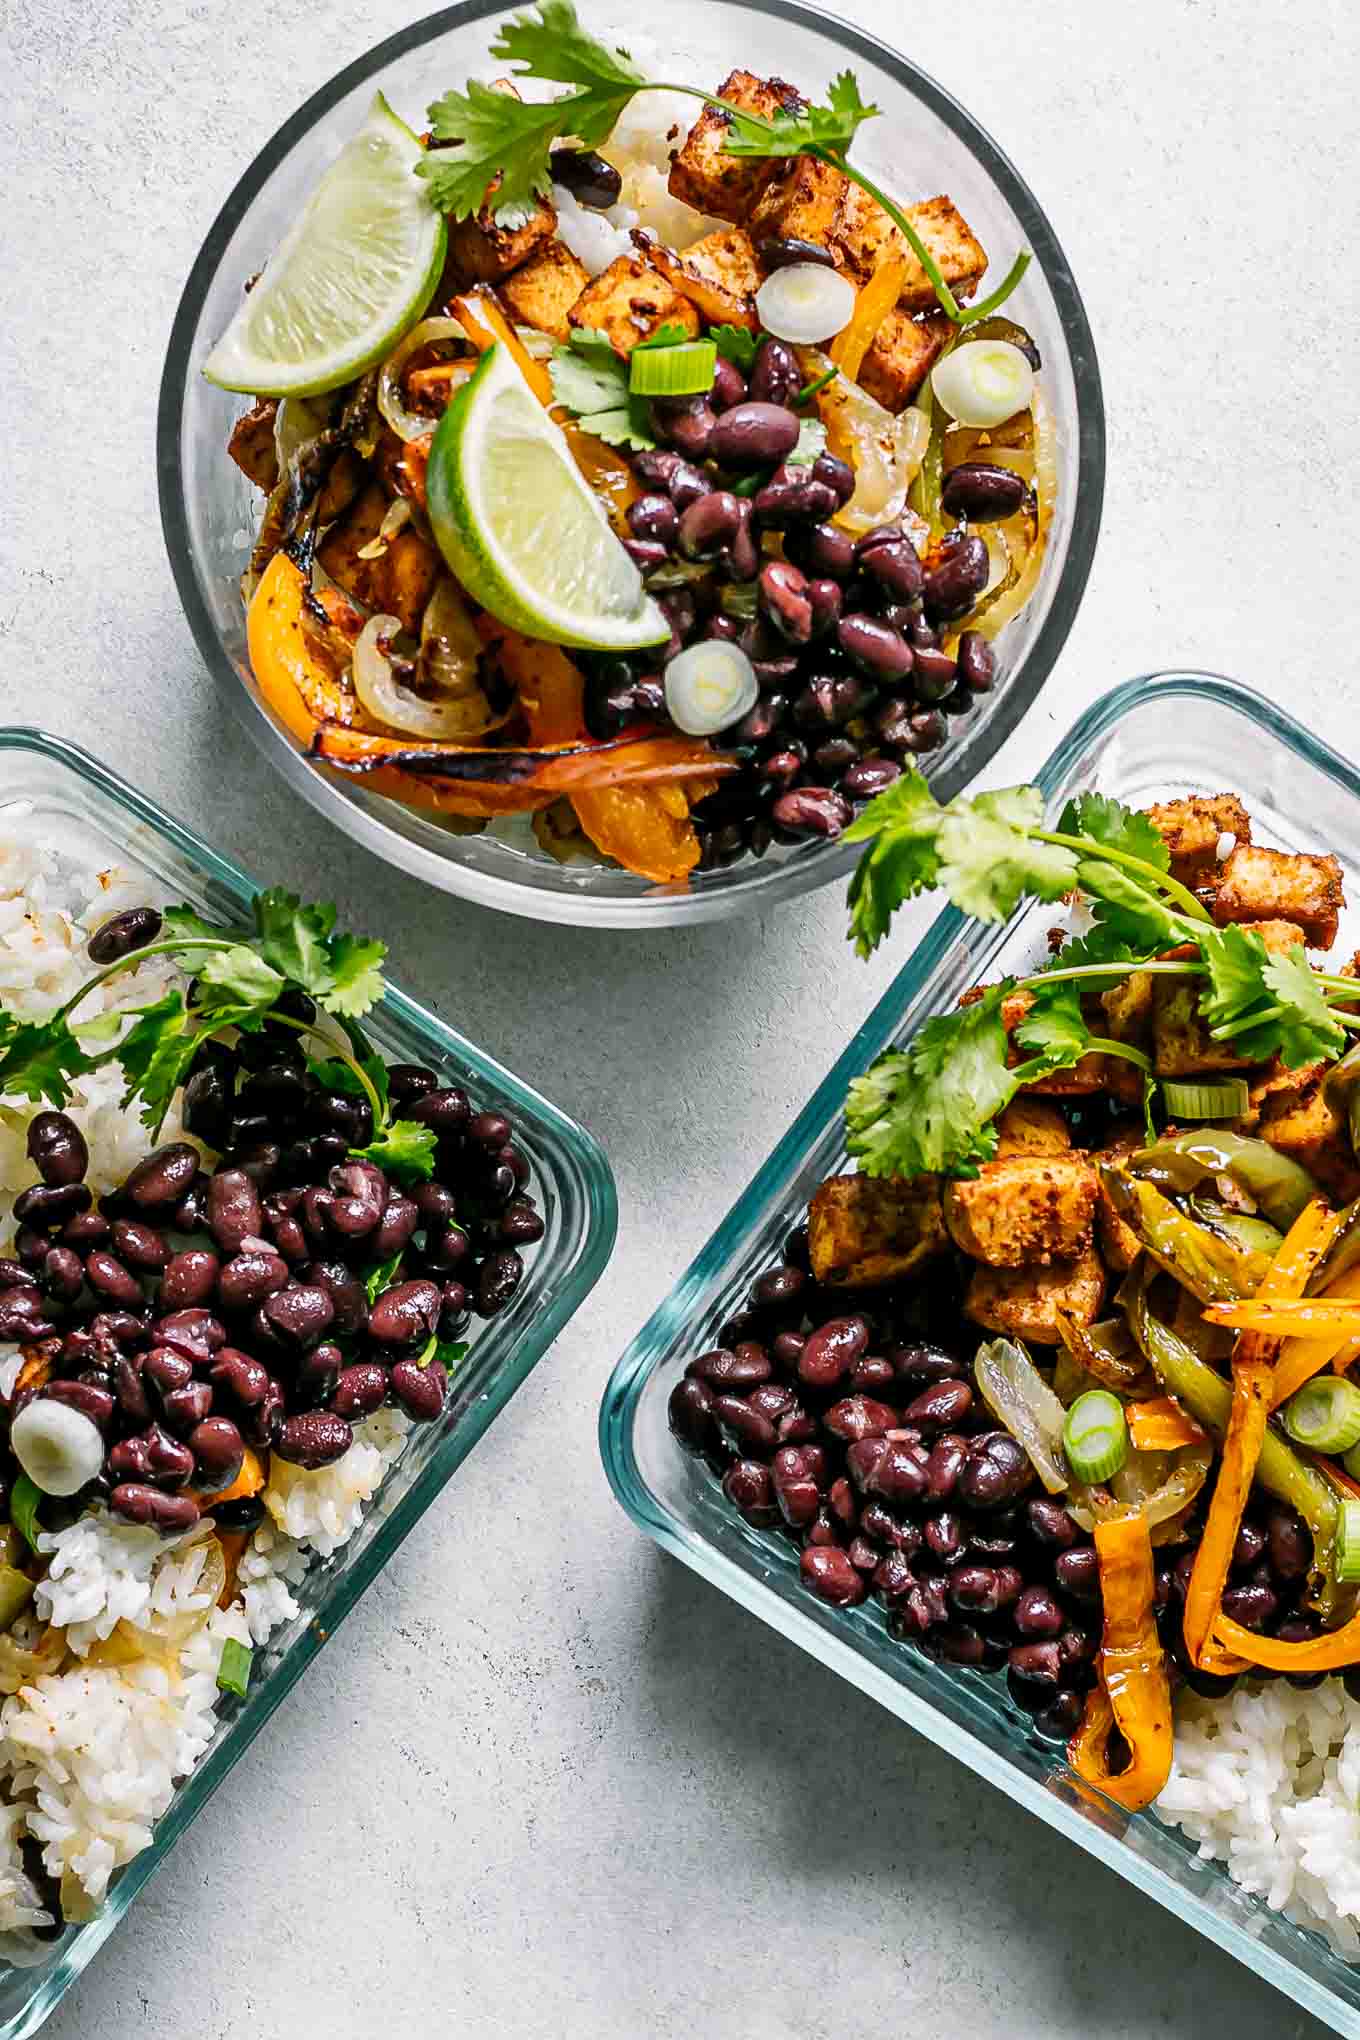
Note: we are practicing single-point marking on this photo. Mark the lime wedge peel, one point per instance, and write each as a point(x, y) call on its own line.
point(353, 272)
point(520, 526)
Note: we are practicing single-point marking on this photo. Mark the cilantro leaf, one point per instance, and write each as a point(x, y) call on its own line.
point(340, 1076)
point(382, 1277)
point(238, 977)
point(505, 142)
point(1266, 1005)
point(1131, 912)
point(25, 1500)
point(669, 334)
point(928, 1109)
point(403, 1148)
point(293, 938)
point(832, 126)
point(901, 826)
point(590, 381)
point(39, 1059)
point(1054, 1030)
point(1308, 1029)
point(155, 1054)
point(557, 48)
point(811, 443)
point(185, 924)
point(736, 344)
point(356, 969)
point(988, 864)
point(1104, 820)
point(1100, 945)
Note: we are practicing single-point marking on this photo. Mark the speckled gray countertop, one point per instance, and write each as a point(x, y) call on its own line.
point(548, 1782)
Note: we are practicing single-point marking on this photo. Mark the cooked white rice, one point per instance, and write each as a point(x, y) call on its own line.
point(1267, 1780)
point(90, 1756)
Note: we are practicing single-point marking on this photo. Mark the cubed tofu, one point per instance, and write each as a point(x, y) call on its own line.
point(1084, 1077)
point(1182, 1044)
point(486, 252)
point(1191, 830)
point(720, 284)
point(867, 1230)
point(251, 444)
point(865, 236)
point(544, 289)
point(1128, 1007)
point(1275, 885)
point(629, 301)
point(1022, 1210)
point(400, 581)
point(801, 202)
point(1301, 1123)
point(704, 175)
point(1021, 1302)
point(1028, 1126)
point(1119, 1244)
point(901, 355)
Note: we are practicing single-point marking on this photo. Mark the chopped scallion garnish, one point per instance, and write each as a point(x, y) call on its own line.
point(1096, 1435)
point(233, 1669)
point(1325, 1415)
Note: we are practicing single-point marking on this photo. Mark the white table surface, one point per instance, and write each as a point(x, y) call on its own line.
point(548, 1783)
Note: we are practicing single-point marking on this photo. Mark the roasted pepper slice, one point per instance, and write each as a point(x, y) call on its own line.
point(1134, 1688)
point(1160, 1425)
point(872, 307)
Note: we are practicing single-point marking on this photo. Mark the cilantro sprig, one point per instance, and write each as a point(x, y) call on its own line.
point(238, 980)
point(591, 382)
point(502, 144)
point(931, 1107)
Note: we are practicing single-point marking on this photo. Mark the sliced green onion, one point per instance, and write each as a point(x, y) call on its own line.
point(25, 1500)
point(709, 686)
point(983, 382)
point(1351, 1462)
point(1348, 1542)
point(1096, 1435)
point(1325, 1415)
point(233, 1667)
point(683, 371)
point(805, 303)
point(1226, 1100)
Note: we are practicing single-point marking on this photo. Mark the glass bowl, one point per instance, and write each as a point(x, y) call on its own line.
point(68, 800)
point(209, 509)
point(1170, 734)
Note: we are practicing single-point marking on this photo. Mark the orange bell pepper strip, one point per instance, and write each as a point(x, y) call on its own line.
point(1132, 1668)
point(1253, 1364)
point(872, 307)
point(1160, 1425)
point(1310, 1318)
point(640, 760)
point(608, 473)
point(1301, 1358)
point(1332, 1652)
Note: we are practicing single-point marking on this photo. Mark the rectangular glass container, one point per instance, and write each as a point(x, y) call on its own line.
point(1170, 734)
point(71, 800)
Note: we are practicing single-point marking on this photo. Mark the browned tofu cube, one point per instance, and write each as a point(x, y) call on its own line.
point(251, 444)
point(629, 301)
point(486, 252)
point(400, 580)
point(1182, 1044)
point(865, 236)
point(1021, 1302)
point(718, 275)
point(702, 172)
point(544, 289)
point(1191, 830)
point(1119, 1243)
point(1280, 885)
point(801, 202)
point(1300, 1122)
point(866, 1230)
point(901, 356)
point(1023, 1210)
point(1086, 1076)
point(1028, 1126)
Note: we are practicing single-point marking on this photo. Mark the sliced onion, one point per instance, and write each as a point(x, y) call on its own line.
point(885, 451)
point(396, 516)
point(1164, 1496)
point(456, 710)
point(983, 382)
point(709, 686)
point(20, 1664)
point(1019, 1397)
point(1009, 604)
point(805, 303)
point(408, 424)
point(538, 346)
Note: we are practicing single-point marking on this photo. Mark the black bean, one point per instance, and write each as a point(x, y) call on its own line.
point(264, 1421)
point(953, 585)
point(520, 1224)
point(396, 1226)
point(1038, 1667)
point(447, 1251)
point(783, 596)
point(996, 1471)
point(140, 1245)
point(208, 1101)
point(976, 662)
point(1290, 1545)
point(1051, 1525)
point(982, 492)
point(1036, 1614)
point(749, 1486)
point(63, 1274)
point(315, 1438)
point(587, 176)
point(832, 1350)
point(301, 1313)
point(647, 555)
point(1078, 1573)
point(95, 1403)
point(234, 1209)
point(358, 1198)
point(249, 1277)
point(793, 494)
point(654, 470)
point(170, 1462)
point(942, 1406)
point(189, 1278)
point(653, 518)
point(776, 377)
point(190, 1215)
point(13, 1274)
point(360, 1389)
point(120, 935)
point(754, 434)
point(138, 1503)
point(241, 1375)
point(30, 1246)
point(821, 549)
point(859, 1416)
point(405, 1313)
point(162, 1177)
point(408, 1081)
point(778, 251)
point(892, 562)
point(729, 385)
point(1254, 1606)
point(57, 1149)
point(890, 1468)
point(130, 1459)
point(318, 1372)
point(435, 1203)
point(932, 677)
point(874, 647)
point(23, 1316)
point(812, 811)
point(43, 1206)
point(686, 423)
point(187, 1406)
point(708, 526)
point(868, 777)
point(498, 1280)
point(105, 1273)
point(419, 1390)
point(196, 1334)
point(832, 1577)
point(837, 474)
point(261, 1160)
point(218, 1449)
point(732, 1371)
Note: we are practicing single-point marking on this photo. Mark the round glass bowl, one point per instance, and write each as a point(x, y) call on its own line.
point(925, 143)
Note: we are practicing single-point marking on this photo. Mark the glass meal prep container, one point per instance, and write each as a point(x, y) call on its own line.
point(72, 800)
point(924, 143)
point(1172, 733)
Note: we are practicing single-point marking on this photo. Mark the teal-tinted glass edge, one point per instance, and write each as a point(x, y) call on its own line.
point(654, 1341)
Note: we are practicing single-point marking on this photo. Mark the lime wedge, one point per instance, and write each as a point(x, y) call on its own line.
point(354, 270)
point(520, 526)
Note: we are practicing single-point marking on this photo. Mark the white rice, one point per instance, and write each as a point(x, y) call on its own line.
point(640, 150)
point(90, 1756)
point(1267, 1781)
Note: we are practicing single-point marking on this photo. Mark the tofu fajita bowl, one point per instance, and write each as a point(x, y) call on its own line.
point(1057, 1372)
point(641, 481)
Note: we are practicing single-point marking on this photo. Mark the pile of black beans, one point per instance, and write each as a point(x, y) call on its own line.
point(191, 1313)
point(844, 635)
point(866, 1444)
